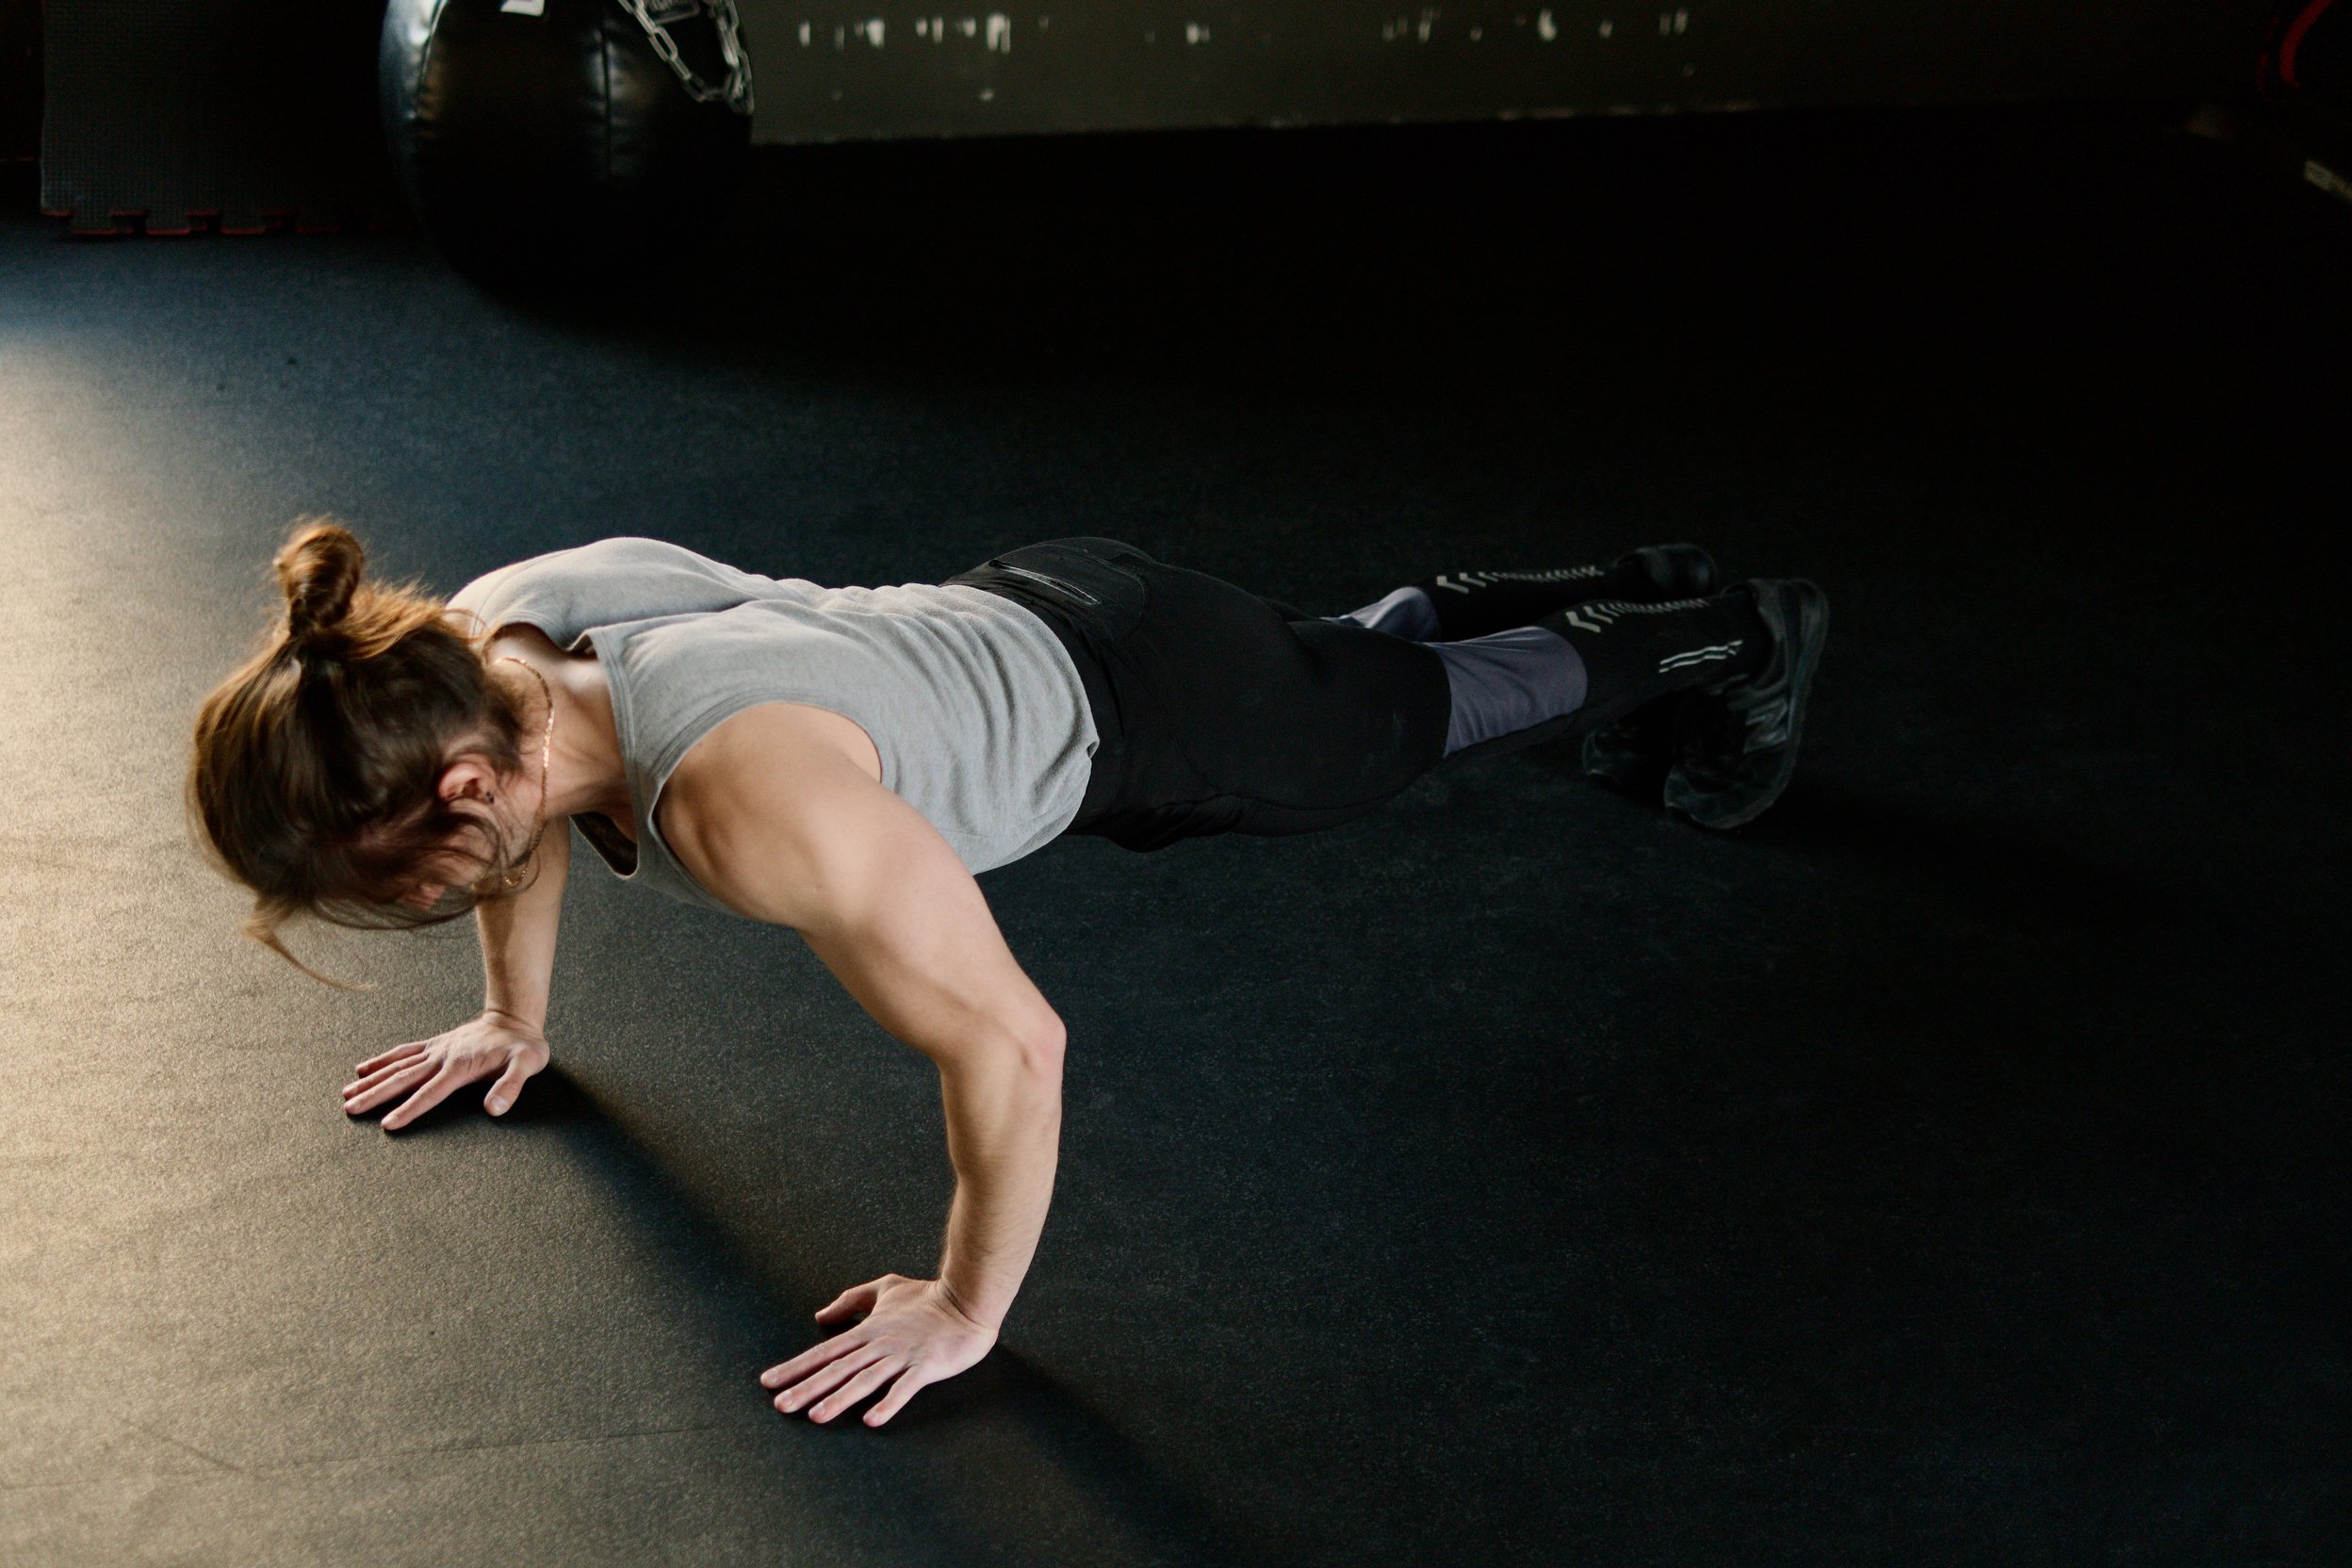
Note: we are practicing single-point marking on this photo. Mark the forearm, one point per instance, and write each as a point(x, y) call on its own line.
point(1003, 1135)
point(518, 936)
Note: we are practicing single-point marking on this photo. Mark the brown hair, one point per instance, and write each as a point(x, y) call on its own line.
point(313, 780)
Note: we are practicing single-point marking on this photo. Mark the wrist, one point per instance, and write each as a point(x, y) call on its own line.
point(514, 1017)
point(963, 1305)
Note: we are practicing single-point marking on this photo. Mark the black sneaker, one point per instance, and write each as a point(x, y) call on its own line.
point(1738, 742)
point(1681, 571)
point(1634, 753)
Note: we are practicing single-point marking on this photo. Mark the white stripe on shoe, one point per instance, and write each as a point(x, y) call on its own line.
point(1710, 655)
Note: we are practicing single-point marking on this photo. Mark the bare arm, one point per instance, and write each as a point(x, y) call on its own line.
point(509, 1037)
point(518, 934)
point(786, 830)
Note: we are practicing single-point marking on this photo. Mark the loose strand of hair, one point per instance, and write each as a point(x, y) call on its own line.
point(264, 927)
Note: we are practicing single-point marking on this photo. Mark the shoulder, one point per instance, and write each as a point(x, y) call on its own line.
point(601, 557)
point(778, 820)
point(622, 579)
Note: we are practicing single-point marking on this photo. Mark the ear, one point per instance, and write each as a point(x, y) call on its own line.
point(471, 777)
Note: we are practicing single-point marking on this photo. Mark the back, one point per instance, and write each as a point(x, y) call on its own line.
point(974, 706)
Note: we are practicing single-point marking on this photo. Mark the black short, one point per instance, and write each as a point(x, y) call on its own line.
point(1219, 712)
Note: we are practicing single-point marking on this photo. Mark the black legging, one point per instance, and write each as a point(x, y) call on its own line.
point(1218, 712)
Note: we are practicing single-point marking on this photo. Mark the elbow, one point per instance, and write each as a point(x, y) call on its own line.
point(1041, 1047)
point(1019, 1053)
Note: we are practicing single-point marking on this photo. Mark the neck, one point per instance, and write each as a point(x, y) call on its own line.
point(584, 769)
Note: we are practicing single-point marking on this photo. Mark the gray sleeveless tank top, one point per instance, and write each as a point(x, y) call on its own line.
point(974, 704)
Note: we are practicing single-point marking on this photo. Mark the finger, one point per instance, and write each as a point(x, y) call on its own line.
point(509, 1087)
point(433, 1090)
point(857, 1388)
point(851, 1302)
point(385, 1058)
point(397, 1054)
point(826, 1379)
point(359, 1086)
point(812, 1358)
point(389, 1090)
point(909, 1383)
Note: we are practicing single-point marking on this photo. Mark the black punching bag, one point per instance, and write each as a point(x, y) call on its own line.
point(551, 140)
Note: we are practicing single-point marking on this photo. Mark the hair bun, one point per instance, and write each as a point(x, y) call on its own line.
point(320, 570)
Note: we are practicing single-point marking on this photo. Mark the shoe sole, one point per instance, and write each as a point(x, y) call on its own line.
point(1811, 633)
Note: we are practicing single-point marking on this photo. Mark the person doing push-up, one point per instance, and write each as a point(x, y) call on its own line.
point(844, 761)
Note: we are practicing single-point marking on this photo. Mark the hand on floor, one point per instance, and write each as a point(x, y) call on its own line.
point(912, 1333)
point(429, 1071)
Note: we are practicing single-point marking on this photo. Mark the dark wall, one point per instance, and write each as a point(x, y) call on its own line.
point(187, 112)
point(19, 80)
point(882, 69)
point(183, 113)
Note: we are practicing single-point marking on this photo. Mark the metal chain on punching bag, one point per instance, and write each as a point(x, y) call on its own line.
point(655, 17)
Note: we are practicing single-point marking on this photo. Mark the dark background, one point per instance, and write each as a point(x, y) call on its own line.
point(1949, 1168)
point(172, 115)
point(19, 80)
point(1065, 65)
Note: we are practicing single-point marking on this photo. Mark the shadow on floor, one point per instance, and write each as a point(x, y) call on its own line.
point(1096, 1468)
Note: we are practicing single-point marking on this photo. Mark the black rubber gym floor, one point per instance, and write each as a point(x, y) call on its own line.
point(1950, 1167)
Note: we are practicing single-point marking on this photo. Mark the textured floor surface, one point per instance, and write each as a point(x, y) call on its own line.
point(1951, 1167)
